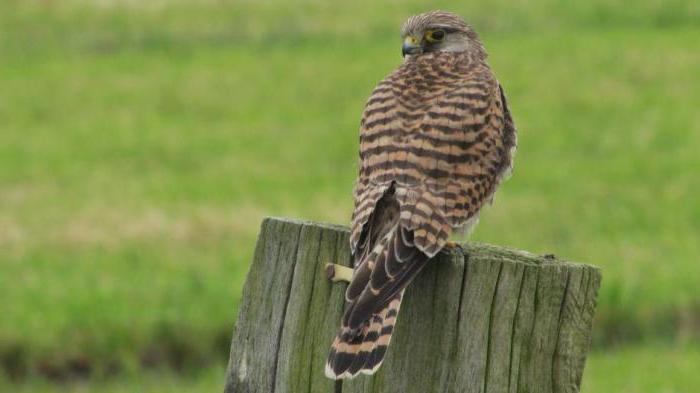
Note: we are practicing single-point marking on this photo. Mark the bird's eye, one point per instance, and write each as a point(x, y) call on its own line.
point(436, 35)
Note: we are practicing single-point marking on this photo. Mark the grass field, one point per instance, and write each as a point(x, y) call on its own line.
point(652, 369)
point(140, 146)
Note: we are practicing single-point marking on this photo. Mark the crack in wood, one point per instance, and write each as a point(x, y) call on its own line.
point(489, 330)
point(286, 302)
point(515, 321)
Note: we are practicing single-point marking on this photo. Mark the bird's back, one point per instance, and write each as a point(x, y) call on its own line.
point(435, 128)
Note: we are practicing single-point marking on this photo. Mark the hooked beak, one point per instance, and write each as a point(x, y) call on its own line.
point(411, 45)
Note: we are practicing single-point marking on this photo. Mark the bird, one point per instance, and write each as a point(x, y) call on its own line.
point(436, 140)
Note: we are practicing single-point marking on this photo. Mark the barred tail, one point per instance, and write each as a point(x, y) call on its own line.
point(363, 351)
point(386, 261)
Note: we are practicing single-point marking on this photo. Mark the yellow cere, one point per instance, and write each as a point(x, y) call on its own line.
point(411, 40)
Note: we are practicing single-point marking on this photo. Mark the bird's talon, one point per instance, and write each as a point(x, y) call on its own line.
point(451, 245)
point(336, 272)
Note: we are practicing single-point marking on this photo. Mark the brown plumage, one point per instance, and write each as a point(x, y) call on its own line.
point(436, 138)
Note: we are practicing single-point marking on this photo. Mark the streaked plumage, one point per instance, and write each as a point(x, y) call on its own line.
point(436, 138)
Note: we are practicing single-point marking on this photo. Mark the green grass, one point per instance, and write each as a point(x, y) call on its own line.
point(140, 146)
point(208, 380)
point(651, 369)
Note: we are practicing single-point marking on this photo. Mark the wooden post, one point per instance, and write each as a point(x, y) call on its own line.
point(485, 319)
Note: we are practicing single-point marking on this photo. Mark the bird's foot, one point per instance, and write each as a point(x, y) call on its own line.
point(452, 245)
point(336, 272)
point(449, 246)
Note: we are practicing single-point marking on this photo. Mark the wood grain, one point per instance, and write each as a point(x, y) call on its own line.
point(480, 319)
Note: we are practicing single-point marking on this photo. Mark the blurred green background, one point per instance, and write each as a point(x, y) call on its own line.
point(141, 143)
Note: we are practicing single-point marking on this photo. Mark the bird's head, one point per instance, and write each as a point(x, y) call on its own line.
point(438, 31)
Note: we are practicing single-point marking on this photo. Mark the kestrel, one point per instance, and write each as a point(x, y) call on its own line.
point(436, 139)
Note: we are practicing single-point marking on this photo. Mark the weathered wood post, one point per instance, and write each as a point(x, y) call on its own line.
point(487, 319)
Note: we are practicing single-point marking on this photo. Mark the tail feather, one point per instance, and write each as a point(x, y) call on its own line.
point(388, 275)
point(386, 262)
point(363, 351)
